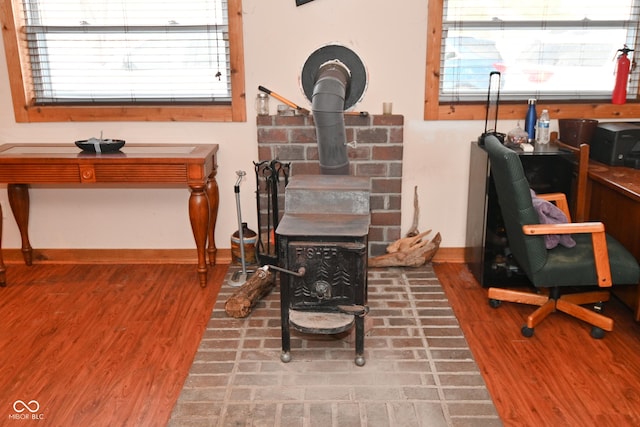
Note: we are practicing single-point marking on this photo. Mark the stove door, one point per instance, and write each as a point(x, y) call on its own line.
point(335, 274)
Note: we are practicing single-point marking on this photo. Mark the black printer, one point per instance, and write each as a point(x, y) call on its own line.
point(617, 144)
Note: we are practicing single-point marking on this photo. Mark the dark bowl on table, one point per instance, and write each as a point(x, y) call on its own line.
point(101, 146)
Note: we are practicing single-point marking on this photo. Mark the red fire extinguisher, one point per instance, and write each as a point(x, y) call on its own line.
point(622, 77)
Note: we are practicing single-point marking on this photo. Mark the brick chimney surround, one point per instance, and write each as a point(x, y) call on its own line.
point(375, 151)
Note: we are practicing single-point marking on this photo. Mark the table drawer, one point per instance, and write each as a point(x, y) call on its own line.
point(50, 173)
point(143, 173)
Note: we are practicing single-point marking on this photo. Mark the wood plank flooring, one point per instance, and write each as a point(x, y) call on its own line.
point(99, 345)
point(559, 377)
point(110, 345)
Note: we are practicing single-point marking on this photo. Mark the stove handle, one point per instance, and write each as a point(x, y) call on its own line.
point(300, 273)
point(356, 310)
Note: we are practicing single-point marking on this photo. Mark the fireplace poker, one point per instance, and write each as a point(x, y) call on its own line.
point(239, 277)
point(301, 110)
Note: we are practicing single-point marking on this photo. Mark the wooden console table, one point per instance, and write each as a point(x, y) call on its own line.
point(613, 197)
point(193, 165)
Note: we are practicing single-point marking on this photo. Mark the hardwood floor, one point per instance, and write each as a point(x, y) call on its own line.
point(110, 345)
point(559, 377)
point(99, 345)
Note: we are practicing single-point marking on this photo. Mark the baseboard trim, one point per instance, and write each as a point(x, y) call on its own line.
point(113, 256)
point(451, 255)
point(158, 256)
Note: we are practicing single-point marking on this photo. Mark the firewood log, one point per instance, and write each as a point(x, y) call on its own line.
point(415, 255)
point(242, 301)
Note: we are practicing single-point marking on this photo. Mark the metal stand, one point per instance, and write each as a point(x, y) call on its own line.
point(240, 277)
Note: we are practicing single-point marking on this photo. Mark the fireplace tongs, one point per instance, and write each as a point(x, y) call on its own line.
point(353, 309)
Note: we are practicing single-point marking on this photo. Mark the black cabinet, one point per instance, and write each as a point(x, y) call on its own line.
point(548, 170)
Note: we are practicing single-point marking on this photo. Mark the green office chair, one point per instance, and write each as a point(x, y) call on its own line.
point(597, 260)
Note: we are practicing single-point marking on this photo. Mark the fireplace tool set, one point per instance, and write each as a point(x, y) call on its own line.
point(272, 176)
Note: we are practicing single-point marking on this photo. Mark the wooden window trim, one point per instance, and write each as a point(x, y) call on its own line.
point(25, 111)
point(434, 110)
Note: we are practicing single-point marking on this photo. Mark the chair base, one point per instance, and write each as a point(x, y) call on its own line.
point(570, 304)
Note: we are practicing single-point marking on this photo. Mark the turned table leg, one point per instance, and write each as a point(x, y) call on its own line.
point(3, 269)
point(214, 200)
point(19, 202)
point(199, 217)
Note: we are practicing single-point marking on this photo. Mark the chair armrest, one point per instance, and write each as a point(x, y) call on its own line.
point(567, 228)
point(601, 259)
point(598, 239)
point(559, 199)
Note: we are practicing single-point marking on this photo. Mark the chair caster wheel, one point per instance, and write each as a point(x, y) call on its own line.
point(360, 360)
point(527, 331)
point(597, 333)
point(494, 303)
point(285, 356)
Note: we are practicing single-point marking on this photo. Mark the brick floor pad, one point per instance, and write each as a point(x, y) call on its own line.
point(419, 370)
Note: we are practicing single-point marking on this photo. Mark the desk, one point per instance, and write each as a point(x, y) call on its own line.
point(192, 165)
point(614, 198)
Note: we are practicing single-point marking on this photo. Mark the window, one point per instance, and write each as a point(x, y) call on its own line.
point(561, 52)
point(161, 60)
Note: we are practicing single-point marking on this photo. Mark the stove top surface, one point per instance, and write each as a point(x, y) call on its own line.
point(324, 225)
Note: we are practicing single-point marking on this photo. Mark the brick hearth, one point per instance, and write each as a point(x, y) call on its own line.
point(375, 151)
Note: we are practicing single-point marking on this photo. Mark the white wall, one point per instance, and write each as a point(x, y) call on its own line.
point(390, 37)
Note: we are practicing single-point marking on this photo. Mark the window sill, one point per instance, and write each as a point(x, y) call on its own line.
point(510, 110)
point(160, 113)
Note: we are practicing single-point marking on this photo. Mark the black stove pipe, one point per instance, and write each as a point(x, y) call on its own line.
point(327, 104)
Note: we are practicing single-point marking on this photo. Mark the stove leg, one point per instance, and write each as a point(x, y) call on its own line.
point(285, 356)
point(360, 341)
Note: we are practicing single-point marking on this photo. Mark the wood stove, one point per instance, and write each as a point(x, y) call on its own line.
point(322, 245)
point(322, 236)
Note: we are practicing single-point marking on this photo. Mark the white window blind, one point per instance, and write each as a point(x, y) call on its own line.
point(547, 49)
point(128, 51)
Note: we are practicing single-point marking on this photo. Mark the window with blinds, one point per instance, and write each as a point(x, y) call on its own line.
point(547, 49)
point(127, 51)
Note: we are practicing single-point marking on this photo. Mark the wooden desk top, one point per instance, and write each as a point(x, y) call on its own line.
point(621, 179)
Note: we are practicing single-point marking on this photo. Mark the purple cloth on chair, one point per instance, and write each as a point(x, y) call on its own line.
point(551, 214)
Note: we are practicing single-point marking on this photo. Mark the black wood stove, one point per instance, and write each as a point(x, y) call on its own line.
point(322, 236)
point(322, 244)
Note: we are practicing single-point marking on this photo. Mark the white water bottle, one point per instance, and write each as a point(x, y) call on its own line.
point(542, 135)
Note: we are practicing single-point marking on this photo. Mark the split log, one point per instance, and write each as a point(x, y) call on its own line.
point(411, 252)
point(242, 301)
